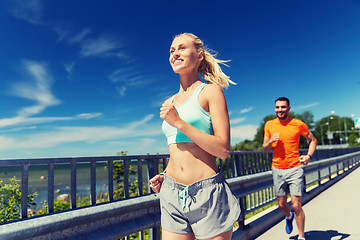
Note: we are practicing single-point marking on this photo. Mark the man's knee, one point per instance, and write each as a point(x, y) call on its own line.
point(282, 201)
point(296, 204)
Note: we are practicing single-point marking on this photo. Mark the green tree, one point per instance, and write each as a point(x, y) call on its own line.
point(341, 129)
point(246, 145)
point(10, 199)
point(354, 138)
point(118, 176)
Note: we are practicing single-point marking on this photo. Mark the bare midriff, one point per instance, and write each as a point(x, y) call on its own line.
point(189, 163)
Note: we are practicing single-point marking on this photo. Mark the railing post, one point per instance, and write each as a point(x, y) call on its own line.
point(51, 187)
point(140, 176)
point(241, 220)
point(126, 178)
point(319, 177)
point(153, 169)
point(24, 190)
point(304, 185)
point(111, 180)
point(154, 233)
point(237, 165)
point(93, 182)
point(73, 184)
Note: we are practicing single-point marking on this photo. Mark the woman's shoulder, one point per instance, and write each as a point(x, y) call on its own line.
point(167, 101)
point(212, 88)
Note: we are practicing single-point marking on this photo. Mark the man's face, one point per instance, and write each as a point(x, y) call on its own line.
point(282, 110)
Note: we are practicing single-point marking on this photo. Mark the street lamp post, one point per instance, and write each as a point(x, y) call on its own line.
point(329, 132)
point(340, 137)
point(321, 130)
point(345, 129)
point(341, 140)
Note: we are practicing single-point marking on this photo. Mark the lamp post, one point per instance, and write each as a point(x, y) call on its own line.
point(340, 137)
point(345, 129)
point(330, 136)
point(321, 130)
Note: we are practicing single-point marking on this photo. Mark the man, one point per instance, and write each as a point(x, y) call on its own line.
point(282, 135)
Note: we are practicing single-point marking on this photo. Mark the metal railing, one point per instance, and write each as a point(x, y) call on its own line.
point(253, 190)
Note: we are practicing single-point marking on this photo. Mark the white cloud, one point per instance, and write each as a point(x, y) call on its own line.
point(88, 115)
point(246, 110)
point(128, 77)
point(125, 75)
point(146, 119)
point(18, 129)
point(29, 10)
point(244, 131)
point(6, 122)
point(38, 89)
point(90, 135)
point(121, 90)
point(102, 46)
point(306, 106)
point(79, 37)
point(69, 69)
point(237, 120)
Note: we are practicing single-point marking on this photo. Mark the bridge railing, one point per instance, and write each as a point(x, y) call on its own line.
point(253, 190)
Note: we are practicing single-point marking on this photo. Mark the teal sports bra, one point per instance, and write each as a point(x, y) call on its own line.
point(192, 113)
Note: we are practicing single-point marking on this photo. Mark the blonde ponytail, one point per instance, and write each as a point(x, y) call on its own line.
point(209, 68)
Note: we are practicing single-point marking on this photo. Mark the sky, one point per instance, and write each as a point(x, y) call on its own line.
point(87, 78)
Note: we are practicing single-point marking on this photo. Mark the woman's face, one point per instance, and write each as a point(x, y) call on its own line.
point(184, 58)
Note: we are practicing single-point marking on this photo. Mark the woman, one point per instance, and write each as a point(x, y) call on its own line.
point(195, 200)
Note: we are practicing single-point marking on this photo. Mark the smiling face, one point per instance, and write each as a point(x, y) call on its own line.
point(282, 110)
point(184, 57)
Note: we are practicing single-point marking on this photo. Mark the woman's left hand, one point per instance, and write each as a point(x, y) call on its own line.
point(155, 183)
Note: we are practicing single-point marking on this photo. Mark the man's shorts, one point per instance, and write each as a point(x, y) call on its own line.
point(206, 208)
point(288, 181)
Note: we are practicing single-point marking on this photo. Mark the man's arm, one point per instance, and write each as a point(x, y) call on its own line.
point(304, 159)
point(268, 141)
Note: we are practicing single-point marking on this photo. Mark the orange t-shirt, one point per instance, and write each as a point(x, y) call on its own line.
point(286, 149)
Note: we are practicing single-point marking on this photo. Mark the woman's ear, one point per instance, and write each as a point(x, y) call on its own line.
point(201, 56)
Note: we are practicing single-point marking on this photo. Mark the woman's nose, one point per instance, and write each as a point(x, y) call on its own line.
point(176, 54)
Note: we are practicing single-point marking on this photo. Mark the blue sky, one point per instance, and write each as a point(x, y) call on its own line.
point(87, 78)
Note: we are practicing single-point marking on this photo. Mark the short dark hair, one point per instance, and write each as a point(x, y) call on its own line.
point(283, 99)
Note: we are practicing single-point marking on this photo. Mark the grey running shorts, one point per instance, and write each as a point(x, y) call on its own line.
point(288, 181)
point(205, 208)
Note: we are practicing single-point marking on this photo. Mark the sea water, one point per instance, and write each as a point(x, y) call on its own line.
point(38, 179)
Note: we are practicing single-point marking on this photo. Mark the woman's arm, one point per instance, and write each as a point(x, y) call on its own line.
point(213, 100)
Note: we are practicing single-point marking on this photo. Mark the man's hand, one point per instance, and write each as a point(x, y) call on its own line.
point(304, 159)
point(275, 137)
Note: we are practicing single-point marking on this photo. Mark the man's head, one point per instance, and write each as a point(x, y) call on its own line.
point(282, 108)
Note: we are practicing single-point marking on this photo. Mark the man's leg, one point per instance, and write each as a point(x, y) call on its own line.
point(299, 214)
point(283, 205)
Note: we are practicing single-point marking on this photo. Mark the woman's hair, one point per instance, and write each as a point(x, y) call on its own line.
point(209, 68)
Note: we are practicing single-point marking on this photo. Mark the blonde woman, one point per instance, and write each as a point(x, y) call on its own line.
point(195, 200)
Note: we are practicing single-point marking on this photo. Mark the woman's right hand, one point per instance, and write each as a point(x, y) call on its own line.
point(169, 114)
point(155, 183)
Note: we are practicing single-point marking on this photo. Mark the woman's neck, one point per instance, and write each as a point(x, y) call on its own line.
point(188, 82)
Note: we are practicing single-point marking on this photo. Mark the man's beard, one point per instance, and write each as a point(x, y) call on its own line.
point(285, 116)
